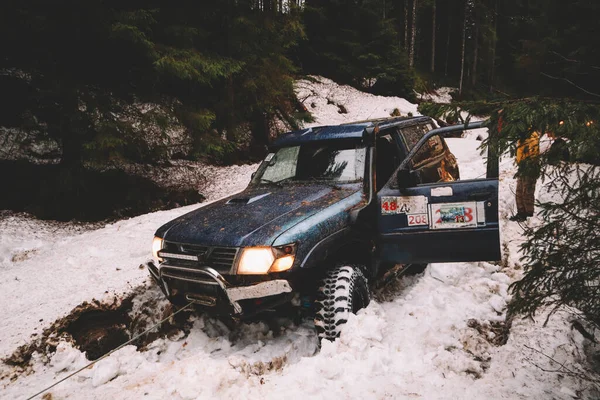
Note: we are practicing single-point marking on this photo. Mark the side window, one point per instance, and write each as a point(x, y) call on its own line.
point(411, 135)
point(432, 149)
point(387, 159)
point(433, 162)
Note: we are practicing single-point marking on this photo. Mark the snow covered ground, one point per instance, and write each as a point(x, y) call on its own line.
point(439, 335)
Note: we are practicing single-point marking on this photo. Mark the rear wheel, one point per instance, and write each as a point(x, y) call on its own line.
point(344, 290)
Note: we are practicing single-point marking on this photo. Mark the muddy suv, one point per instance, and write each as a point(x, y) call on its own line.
point(329, 210)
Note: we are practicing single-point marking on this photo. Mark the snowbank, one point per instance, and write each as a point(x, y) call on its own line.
point(333, 104)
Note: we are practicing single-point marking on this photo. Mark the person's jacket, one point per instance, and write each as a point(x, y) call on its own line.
point(528, 148)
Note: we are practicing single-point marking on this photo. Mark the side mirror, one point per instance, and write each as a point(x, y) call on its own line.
point(405, 179)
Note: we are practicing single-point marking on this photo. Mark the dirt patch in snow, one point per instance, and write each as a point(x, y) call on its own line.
point(97, 327)
point(495, 332)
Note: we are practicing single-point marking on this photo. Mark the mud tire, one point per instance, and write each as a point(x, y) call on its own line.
point(343, 290)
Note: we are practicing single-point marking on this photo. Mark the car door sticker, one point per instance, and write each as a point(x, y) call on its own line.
point(417, 219)
point(481, 213)
point(454, 215)
point(403, 205)
point(441, 191)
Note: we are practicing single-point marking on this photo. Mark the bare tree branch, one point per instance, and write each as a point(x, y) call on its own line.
point(570, 82)
point(586, 376)
point(572, 60)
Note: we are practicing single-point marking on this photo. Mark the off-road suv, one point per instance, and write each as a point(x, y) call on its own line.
point(329, 210)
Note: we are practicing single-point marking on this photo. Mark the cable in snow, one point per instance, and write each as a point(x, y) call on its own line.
point(112, 351)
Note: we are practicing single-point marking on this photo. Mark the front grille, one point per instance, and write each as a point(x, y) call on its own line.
point(182, 281)
point(219, 258)
point(186, 274)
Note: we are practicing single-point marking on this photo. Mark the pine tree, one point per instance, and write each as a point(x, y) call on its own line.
point(350, 43)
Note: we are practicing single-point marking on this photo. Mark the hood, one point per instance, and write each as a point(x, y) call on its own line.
point(255, 216)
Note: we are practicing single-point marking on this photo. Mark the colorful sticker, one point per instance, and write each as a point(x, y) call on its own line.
point(454, 215)
point(404, 205)
point(417, 219)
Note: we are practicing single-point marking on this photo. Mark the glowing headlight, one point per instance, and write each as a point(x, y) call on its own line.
point(157, 245)
point(282, 264)
point(261, 260)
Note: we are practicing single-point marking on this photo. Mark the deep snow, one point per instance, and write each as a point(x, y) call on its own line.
point(434, 337)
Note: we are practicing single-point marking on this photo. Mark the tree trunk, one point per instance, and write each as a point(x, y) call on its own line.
point(260, 129)
point(406, 25)
point(71, 129)
point(476, 48)
point(462, 57)
point(448, 44)
point(413, 35)
point(493, 49)
point(72, 149)
point(433, 40)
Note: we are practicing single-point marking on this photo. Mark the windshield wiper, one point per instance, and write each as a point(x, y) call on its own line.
point(276, 183)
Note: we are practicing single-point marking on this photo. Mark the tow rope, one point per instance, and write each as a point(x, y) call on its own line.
point(112, 351)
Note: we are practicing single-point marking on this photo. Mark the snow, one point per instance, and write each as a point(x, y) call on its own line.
point(57, 266)
point(323, 98)
point(431, 337)
point(440, 95)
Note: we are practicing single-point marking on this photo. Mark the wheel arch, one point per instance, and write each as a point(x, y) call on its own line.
point(344, 246)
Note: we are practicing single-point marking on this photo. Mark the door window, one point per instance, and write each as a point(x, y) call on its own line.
point(387, 159)
point(431, 150)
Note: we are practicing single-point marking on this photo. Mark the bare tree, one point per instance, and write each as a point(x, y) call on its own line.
point(462, 57)
point(413, 35)
point(448, 44)
point(405, 24)
point(475, 43)
point(493, 46)
point(433, 40)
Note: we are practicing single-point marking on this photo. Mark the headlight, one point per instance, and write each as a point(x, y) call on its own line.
point(157, 245)
point(261, 260)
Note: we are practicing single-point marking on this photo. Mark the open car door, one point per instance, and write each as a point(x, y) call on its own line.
point(438, 222)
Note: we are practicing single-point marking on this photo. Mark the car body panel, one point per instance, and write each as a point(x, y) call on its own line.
point(402, 243)
point(240, 220)
point(420, 228)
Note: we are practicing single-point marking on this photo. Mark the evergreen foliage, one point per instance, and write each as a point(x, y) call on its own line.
point(350, 42)
point(77, 68)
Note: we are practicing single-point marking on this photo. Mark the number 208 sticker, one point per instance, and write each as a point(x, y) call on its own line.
point(417, 219)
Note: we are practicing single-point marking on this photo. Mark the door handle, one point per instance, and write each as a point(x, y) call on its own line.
point(483, 196)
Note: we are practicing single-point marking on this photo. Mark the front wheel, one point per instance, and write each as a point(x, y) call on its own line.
point(344, 290)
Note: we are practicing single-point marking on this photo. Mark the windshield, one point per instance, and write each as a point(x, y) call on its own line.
point(337, 162)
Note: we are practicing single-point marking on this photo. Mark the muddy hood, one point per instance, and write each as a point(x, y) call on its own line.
point(253, 217)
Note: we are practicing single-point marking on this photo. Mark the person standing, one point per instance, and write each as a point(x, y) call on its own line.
point(528, 151)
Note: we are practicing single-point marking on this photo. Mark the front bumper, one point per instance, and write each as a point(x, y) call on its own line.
point(206, 276)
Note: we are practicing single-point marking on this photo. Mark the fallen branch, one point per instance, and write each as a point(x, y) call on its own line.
point(587, 376)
